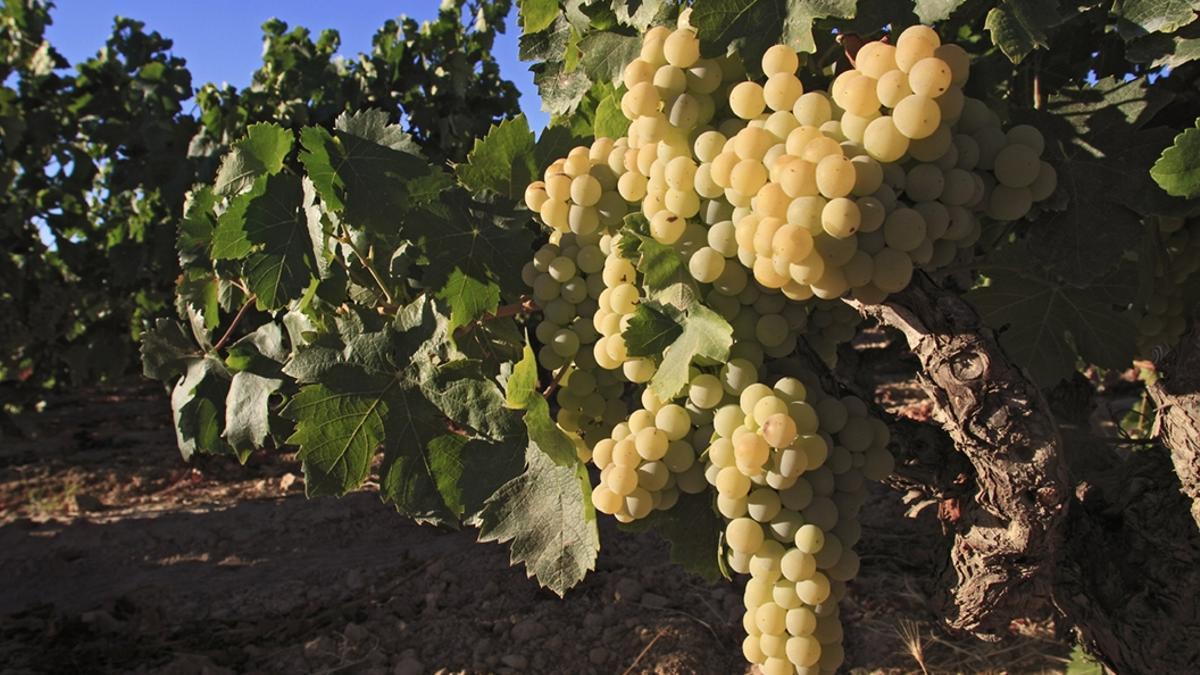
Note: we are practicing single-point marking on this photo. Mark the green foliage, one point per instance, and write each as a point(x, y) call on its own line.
point(1177, 171)
point(693, 529)
point(97, 161)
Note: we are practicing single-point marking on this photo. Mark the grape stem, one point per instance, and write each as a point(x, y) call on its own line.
point(233, 326)
point(525, 306)
point(557, 379)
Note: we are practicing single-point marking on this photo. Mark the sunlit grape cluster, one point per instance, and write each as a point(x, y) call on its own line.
point(777, 203)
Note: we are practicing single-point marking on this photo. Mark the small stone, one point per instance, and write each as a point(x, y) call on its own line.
point(628, 590)
point(515, 661)
point(286, 481)
point(654, 600)
point(598, 655)
point(356, 633)
point(527, 630)
point(318, 646)
point(354, 580)
point(408, 665)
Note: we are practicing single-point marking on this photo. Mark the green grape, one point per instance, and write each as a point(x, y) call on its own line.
point(706, 265)
point(746, 100)
point(917, 116)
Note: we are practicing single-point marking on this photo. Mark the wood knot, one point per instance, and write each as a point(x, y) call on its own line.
point(967, 365)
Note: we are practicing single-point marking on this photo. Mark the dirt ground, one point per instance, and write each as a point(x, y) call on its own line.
point(116, 556)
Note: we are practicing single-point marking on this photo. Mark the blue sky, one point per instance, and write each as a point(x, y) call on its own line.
point(222, 42)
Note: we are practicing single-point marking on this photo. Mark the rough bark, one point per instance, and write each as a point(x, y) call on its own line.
point(1121, 564)
point(1176, 394)
point(1008, 537)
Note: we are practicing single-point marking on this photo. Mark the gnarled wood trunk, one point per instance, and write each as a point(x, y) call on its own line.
point(1107, 542)
point(1176, 394)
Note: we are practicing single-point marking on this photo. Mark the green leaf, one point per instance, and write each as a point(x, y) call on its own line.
point(705, 333)
point(641, 14)
point(610, 122)
point(537, 15)
point(561, 91)
point(651, 330)
point(1020, 26)
point(475, 238)
point(277, 224)
point(693, 529)
point(1177, 170)
point(754, 25)
point(247, 411)
point(260, 152)
point(1043, 323)
point(472, 400)
point(1094, 178)
point(1137, 18)
point(522, 394)
point(469, 471)
point(1082, 663)
point(502, 161)
point(167, 349)
point(522, 386)
point(369, 170)
point(547, 514)
point(932, 11)
point(1171, 51)
point(555, 142)
point(605, 55)
point(198, 405)
point(468, 298)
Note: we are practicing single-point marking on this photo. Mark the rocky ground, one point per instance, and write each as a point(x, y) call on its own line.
point(116, 556)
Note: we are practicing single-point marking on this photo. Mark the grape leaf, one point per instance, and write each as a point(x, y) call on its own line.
point(606, 54)
point(651, 329)
point(754, 25)
point(1043, 322)
point(474, 402)
point(477, 239)
point(1019, 26)
point(554, 143)
point(705, 333)
point(259, 153)
point(640, 14)
point(167, 349)
point(547, 515)
point(198, 406)
point(932, 11)
point(522, 394)
point(610, 122)
point(471, 470)
point(1158, 50)
point(468, 298)
point(247, 411)
point(537, 15)
point(1137, 18)
point(1177, 170)
point(1110, 103)
point(561, 91)
point(502, 161)
point(369, 170)
point(276, 224)
point(1093, 175)
point(693, 529)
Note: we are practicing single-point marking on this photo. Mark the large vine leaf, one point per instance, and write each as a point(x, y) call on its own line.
point(1136, 18)
point(259, 153)
point(502, 161)
point(652, 329)
point(1020, 26)
point(198, 405)
point(754, 25)
point(547, 515)
point(536, 15)
point(369, 170)
point(932, 11)
point(1177, 170)
point(704, 334)
point(248, 411)
point(605, 55)
point(1043, 323)
point(468, 298)
point(693, 529)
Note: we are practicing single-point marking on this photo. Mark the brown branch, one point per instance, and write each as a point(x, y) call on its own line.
point(233, 326)
point(1176, 395)
point(1008, 537)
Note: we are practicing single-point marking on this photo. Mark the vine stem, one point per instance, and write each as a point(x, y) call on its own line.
point(557, 379)
point(233, 326)
point(366, 262)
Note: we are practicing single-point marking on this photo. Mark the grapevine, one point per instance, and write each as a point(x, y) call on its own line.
point(767, 203)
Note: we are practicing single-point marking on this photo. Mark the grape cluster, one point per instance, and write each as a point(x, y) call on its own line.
point(1163, 318)
point(778, 203)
